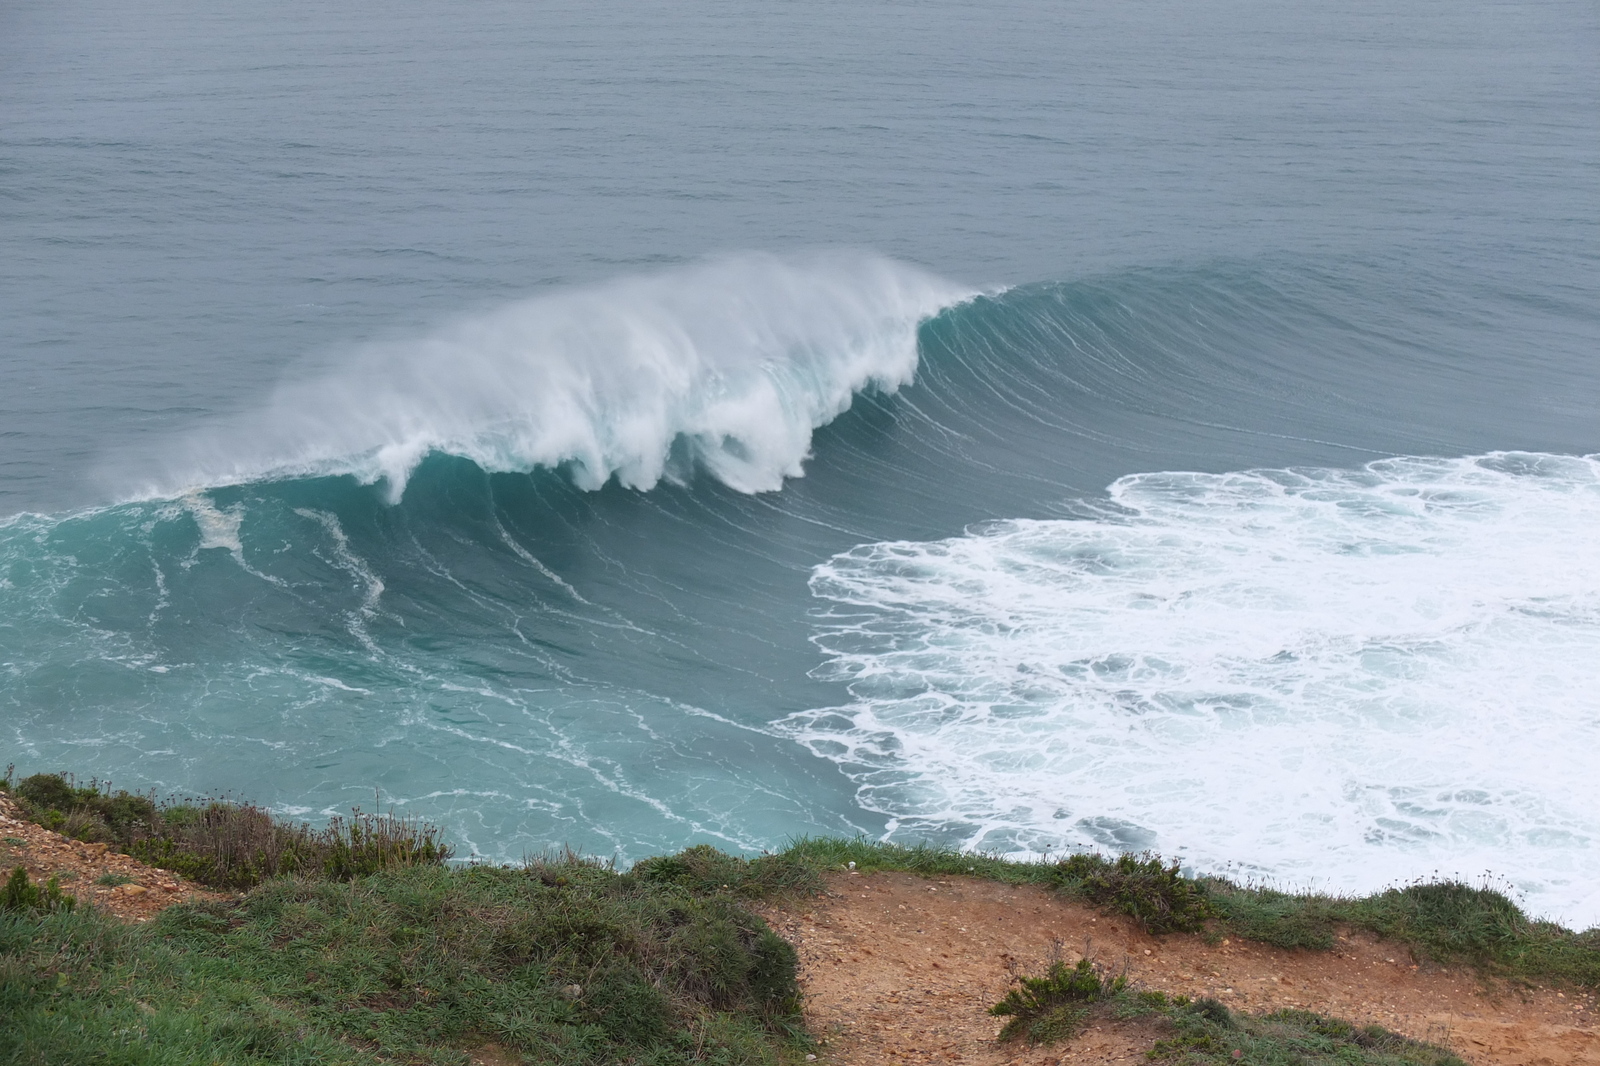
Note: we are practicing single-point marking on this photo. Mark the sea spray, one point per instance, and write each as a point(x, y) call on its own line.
point(725, 366)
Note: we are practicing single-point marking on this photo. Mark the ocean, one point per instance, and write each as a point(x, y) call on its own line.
point(1030, 427)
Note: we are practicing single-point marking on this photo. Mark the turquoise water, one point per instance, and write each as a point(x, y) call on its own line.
point(1121, 426)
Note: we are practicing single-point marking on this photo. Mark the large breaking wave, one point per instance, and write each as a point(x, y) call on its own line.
point(726, 366)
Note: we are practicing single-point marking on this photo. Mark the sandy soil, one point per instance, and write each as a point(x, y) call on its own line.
point(78, 865)
point(901, 969)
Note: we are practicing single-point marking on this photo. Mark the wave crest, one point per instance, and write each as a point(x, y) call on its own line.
point(726, 366)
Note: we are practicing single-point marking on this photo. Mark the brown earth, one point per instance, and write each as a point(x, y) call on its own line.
point(901, 969)
point(78, 865)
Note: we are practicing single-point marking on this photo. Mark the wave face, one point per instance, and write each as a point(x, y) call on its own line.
point(516, 576)
point(726, 367)
point(1330, 676)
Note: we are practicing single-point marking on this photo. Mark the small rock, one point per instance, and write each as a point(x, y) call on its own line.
point(572, 991)
point(134, 890)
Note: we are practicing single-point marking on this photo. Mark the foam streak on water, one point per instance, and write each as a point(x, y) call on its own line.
point(726, 366)
point(1336, 677)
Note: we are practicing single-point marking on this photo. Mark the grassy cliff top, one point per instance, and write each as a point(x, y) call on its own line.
point(360, 942)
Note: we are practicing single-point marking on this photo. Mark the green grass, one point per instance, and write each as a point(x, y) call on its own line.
point(564, 961)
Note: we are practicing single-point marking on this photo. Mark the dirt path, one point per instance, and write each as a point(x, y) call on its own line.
point(79, 866)
point(900, 969)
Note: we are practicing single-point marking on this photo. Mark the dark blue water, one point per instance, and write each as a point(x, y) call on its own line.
point(639, 426)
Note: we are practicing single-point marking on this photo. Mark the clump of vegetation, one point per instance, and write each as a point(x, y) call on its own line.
point(566, 961)
point(91, 813)
point(1207, 1033)
point(22, 896)
point(1278, 918)
point(224, 843)
point(1058, 1005)
point(704, 869)
point(113, 880)
point(929, 860)
point(1154, 894)
point(1440, 921)
point(1200, 1032)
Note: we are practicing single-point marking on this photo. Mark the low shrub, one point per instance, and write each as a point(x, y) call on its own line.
point(1207, 1033)
point(1154, 894)
point(1200, 1032)
point(90, 813)
point(22, 896)
point(1056, 1006)
point(704, 869)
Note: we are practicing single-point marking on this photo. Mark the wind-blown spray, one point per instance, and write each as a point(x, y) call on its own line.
point(726, 366)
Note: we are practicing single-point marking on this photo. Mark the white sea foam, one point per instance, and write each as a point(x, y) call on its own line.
point(727, 365)
point(1345, 678)
point(218, 528)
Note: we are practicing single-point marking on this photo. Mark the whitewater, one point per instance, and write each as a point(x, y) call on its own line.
point(1305, 677)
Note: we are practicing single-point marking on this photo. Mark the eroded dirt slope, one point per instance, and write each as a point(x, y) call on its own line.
point(901, 969)
point(79, 866)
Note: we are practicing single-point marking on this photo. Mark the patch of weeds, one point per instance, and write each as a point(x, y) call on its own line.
point(224, 843)
point(21, 896)
point(1277, 918)
point(1447, 920)
point(365, 843)
point(112, 880)
point(1204, 1032)
point(1452, 922)
point(1153, 893)
point(1207, 1033)
point(16, 842)
point(1058, 1005)
point(89, 813)
point(1442, 921)
point(928, 860)
point(704, 869)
